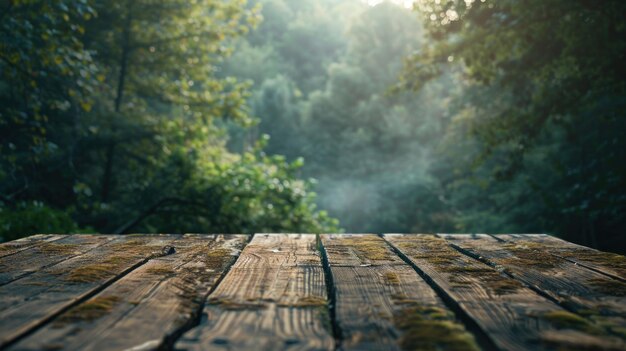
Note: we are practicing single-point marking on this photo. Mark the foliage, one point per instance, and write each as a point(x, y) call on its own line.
point(515, 124)
point(545, 82)
point(34, 217)
point(153, 116)
point(110, 115)
point(44, 66)
point(368, 151)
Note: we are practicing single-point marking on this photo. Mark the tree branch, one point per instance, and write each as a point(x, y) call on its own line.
point(151, 210)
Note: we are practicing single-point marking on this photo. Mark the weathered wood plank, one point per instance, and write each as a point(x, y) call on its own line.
point(358, 250)
point(12, 247)
point(601, 300)
point(383, 304)
point(146, 307)
point(273, 298)
point(45, 253)
point(611, 264)
point(511, 315)
point(30, 302)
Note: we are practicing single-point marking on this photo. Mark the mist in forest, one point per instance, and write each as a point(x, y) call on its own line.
point(314, 116)
point(396, 147)
point(322, 75)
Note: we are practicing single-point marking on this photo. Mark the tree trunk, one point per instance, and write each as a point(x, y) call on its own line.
point(107, 178)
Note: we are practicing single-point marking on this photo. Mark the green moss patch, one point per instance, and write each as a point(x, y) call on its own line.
point(527, 254)
point(500, 284)
point(90, 273)
point(57, 249)
point(391, 278)
point(432, 328)
point(14, 246)
point(608, 286)
point(233, 305)
point(369, 247)
point(160, 271)
point(574, 341)
point(308, 301)
point(90, 310)
point(216, 258)
point(402, 299)
point(436, 252)
point(615, 261)
point(567, 320)
point(124, 254)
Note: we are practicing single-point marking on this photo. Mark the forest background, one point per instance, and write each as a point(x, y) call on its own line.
point(286, 115)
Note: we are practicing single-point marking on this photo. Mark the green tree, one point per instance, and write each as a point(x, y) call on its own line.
point(137, 133)
point(547, 109)
point(46, 79)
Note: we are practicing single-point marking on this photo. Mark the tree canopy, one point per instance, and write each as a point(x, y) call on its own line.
point(507, 115)
point(226, 116)
point(544, 108)
point(109, 123)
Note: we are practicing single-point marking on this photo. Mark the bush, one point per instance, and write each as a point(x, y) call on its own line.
point(28, 218)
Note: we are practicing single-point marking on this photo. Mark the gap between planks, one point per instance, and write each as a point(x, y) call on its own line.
point(147, 308)
point(30, 303)
point(15, 246)
point(594, 302)
point(351, 263)
point(273, 298)
point(381, 301)
point(47, 253)
point(610, 264)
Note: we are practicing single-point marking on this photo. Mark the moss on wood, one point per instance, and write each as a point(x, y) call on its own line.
point(445, 259)
point(160, 270)
point(431, 328)
point(366, 247)
point(566, 320)
point(596, 333)
point(233, 305)
point(370, 247)
point(217, 258)
point(575, 341)
point(90, 273)
point(608, 286)
point(90, 310)
point(528, 254)
point(57, 249)
point(307, 301)
point(125, 253)
point(13, 246)
point(391, 278)
point(402, 299)
point(605, 259)
point(500, 284)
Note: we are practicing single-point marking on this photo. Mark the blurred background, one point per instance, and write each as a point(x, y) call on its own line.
point(242, 116)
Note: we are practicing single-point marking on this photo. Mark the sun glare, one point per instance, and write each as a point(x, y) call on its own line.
point(406, 3)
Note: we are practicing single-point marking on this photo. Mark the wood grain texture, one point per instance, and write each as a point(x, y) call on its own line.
point(611, 264)
point(382, 303)
point(47, 253)
point(147, 306)
point(599, 301)
point(293, 292)
point(273, 298)
point(511, 315)
point(15, 246)
point(354, 250)
point(33, 300)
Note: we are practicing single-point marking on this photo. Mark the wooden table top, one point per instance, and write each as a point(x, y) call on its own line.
point(309, 292)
